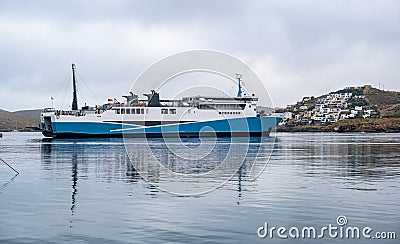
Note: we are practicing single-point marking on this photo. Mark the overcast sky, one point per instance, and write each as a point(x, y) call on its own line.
point(298, 48)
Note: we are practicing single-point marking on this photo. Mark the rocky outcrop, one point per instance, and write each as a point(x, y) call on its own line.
point(366, 125)
point(350, 125)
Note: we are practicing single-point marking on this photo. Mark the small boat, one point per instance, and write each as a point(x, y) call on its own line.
point(193, 116)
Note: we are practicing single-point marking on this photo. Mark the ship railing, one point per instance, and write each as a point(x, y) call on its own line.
point(69, 113)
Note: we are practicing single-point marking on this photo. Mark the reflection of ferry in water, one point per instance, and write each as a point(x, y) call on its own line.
point(189, 117)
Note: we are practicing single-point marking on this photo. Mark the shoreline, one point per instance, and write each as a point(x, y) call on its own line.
point(378, 125)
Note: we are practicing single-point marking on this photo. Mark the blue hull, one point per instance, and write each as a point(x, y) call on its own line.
point(251, 126)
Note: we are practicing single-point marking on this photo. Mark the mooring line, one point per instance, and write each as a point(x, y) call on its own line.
point(9, 166)
point(8, 182)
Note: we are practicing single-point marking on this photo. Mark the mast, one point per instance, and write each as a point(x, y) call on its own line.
point(74, 97)
point(239, 78)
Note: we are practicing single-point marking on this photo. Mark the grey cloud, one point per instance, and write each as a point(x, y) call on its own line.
point(299, 47)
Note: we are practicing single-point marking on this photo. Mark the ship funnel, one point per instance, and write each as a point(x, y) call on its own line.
point(153, 99)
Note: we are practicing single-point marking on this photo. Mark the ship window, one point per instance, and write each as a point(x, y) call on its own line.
point(118, 111)
point(128, 111)
point(219, 112)
point(205, 107)
point(133, 111)
point(172, 111)
point(122, 111)
point(142, 110)
point(138, 111)
point(164, 111)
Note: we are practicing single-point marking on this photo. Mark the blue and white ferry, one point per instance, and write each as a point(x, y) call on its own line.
point(194, 116)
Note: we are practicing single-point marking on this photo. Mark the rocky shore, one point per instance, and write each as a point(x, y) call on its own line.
point(390, 125)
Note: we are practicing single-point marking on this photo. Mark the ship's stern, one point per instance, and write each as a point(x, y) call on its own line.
point(46, 122)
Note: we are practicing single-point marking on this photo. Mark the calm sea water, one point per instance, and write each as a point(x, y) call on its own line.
point(87, 191)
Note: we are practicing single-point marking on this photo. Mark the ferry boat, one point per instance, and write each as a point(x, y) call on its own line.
point(194, 116)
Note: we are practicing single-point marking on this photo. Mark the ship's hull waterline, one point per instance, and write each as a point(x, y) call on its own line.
point(236, 127)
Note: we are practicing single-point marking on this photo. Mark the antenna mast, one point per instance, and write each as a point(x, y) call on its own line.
point(239, 78)
point(74, 97)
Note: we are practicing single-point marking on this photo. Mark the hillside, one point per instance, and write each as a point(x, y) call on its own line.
point(388, 102)
point(11, 121)
point(361, 108)
point(31, 112)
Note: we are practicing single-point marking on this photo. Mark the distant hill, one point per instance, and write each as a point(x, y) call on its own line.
point(32, 112)
point(11, 121)
point(388, 102)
